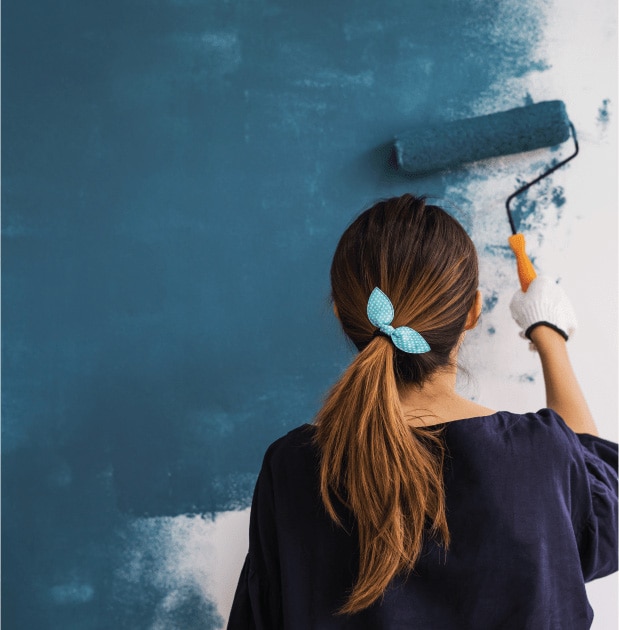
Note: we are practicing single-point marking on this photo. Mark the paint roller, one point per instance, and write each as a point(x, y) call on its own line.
point(425, 150)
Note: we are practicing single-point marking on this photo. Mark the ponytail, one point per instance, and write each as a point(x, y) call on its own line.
point(387, 473)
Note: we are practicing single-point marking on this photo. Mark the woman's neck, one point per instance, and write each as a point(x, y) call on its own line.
point(436, 401)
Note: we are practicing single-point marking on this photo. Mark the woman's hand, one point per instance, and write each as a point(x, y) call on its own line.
point(544, 304)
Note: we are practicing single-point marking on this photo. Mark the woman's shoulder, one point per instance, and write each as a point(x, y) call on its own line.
point(295, 446)
point(547, 423)
point(298, 437)
point(506, 434)
point(542, 422)
point(542, 435)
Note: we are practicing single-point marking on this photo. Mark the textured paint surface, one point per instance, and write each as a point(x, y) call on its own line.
point(176, 175)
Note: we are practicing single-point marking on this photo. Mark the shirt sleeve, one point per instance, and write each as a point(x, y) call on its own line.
point(598, 535)
point(257, 601)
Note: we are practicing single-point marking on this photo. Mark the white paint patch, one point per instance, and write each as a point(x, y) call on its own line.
point(183, 556)
point(230, 534)
point(171, 556)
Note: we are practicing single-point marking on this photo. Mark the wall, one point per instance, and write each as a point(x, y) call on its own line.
point(176, 175)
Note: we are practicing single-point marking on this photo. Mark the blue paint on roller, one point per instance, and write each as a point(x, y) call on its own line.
point(433, 148)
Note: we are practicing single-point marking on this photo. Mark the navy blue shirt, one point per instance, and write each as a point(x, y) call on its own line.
point(532, 512)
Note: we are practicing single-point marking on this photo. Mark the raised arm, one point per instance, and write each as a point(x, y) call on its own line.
point(547, 319)
point(563, 393)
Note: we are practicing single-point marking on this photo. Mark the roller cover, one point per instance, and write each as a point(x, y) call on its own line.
point(437, 147)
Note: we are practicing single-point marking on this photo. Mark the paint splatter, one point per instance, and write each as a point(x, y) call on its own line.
point(558, 196)
point(603, 116)
point(500, 251)
point(490, 301)
point(558, 200)
point(526, 378)
point(530, 208)
point(522, 208)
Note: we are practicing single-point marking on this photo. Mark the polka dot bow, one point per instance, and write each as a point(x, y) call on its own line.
point(381, 314)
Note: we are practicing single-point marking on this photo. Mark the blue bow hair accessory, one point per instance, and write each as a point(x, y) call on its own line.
point(381, 314)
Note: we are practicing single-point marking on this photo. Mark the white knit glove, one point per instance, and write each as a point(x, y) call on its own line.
point(544, 303)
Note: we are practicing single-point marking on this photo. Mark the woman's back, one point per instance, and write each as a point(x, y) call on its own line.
point(530, 508)
point(376, 516)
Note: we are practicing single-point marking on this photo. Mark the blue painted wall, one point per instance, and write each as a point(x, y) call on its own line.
point(175, 177)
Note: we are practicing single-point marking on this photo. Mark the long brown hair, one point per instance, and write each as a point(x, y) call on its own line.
point(387, 472)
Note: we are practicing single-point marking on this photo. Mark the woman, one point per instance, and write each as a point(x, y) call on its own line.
point(407, 506)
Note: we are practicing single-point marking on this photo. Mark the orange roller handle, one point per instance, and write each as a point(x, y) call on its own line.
point(526, 272)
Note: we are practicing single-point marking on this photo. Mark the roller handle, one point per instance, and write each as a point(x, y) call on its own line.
point(526, 272)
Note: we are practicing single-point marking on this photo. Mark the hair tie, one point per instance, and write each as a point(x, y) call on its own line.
point(380, 313)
